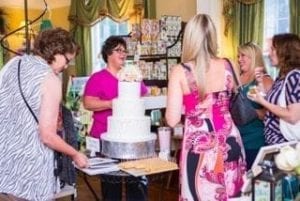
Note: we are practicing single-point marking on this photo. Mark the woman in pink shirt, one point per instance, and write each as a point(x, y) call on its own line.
point(102, 87)
point(100, 90)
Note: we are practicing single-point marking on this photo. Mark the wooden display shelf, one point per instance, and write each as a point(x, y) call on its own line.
point(150, 57)
point(159, 83)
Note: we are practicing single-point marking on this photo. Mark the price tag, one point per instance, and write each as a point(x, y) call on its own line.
point(92, 144)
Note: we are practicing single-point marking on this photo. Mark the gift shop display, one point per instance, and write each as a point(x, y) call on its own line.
point(158, 44)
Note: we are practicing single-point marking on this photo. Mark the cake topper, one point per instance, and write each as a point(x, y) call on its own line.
point(130, 73)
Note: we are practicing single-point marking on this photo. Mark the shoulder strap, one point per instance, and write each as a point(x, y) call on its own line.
point(22, 94)
point(190, 78)
point(233, 72)
point(186, 67)
point(282, 98)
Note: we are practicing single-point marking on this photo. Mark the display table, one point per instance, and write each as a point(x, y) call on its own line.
point(133, 169)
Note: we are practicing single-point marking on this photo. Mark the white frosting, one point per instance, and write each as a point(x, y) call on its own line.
point(107, 136)
point(129, 90)
point(124, 129)
point(128, 108)
point(128, 122)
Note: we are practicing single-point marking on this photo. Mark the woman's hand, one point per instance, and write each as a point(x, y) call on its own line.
point(80, 160)
point(259, 73)
point(256, 96)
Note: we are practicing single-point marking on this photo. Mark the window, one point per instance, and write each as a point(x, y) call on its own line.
point(99, 33)
point(276, 21)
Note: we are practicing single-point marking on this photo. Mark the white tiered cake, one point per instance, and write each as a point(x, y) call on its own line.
point(128, 129)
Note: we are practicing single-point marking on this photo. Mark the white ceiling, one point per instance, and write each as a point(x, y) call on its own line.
point(35, 4)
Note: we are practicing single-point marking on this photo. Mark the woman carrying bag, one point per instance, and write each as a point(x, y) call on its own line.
point(249, 58)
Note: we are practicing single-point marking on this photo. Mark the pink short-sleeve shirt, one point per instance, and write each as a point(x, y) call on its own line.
point(103, 85)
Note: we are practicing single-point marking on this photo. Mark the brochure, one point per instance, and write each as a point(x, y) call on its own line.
point(100, 165)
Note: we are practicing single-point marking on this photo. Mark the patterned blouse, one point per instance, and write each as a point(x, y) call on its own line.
point(26, 164)
point(292, 94)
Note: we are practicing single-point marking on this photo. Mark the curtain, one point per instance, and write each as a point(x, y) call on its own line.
point(249, 22)
point(82, 34)
point(295, 16)
point(150, 9)
point(83, 14)
point(243, 23)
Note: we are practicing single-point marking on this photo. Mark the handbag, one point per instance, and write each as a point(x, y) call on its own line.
point(289, 131)
point(240, 107)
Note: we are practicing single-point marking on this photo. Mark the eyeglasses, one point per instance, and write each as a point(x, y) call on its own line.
point(67, 59)
point(119, 50)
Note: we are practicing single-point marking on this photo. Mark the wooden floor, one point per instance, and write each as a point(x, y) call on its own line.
point(157, 189)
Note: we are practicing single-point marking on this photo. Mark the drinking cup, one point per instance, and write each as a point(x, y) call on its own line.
point(164, 137)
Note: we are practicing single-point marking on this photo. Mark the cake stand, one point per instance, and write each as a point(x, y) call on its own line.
point(128, 150)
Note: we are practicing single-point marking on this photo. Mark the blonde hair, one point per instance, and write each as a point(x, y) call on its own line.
point(199, 45)
point(254, 52)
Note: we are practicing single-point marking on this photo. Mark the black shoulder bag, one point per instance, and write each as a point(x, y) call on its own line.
point(240, 107)
point(57, 155)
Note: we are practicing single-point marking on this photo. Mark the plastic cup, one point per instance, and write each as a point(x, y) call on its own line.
point(164, 137)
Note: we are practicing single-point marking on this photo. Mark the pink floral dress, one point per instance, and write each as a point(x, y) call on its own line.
point(212, 159)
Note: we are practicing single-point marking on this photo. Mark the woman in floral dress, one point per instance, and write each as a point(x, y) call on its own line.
point(212, 159)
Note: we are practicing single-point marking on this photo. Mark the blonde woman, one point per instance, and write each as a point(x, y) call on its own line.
point(212, 158)
point(250, 58)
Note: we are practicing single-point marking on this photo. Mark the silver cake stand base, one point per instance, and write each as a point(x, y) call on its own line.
point(125, 150)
